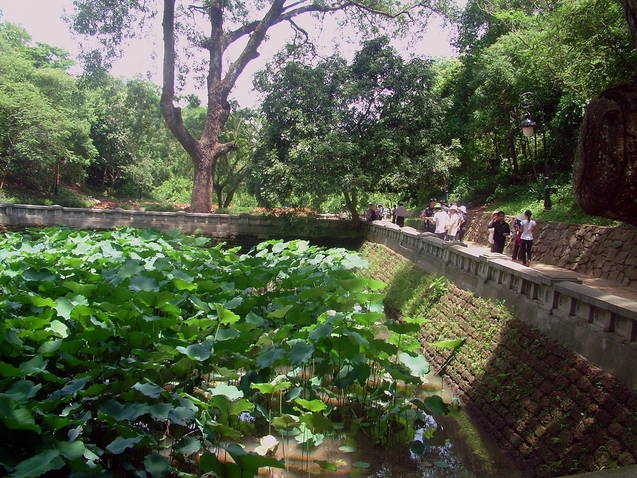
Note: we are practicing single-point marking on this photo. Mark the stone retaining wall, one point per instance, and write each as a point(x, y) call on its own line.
point(555, 412)
point(597, 325)
point(605, 252)
point(235, 228)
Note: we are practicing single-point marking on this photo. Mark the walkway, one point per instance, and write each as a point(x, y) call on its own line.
point(590, 281)
point(605, 285)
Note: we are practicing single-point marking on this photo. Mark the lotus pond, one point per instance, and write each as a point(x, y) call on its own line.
point(139, 353)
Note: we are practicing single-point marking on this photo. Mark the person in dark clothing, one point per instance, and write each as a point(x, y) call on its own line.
point(517, 241)
point(372, 213)
point(427, 214)
point(500, 231)
point(401, 212)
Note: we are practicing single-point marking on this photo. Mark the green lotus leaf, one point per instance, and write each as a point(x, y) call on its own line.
point(38, 465)
point(121, 444)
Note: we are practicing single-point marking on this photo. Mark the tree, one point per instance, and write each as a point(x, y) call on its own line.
point(135, 150)
point(605, 165)
point(229, 22)
point(44, 122)
point(349, 130)
point(243, 129)
point(566, 52)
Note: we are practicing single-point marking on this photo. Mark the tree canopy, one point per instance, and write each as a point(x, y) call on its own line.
point(226, 23)
point(350, 129)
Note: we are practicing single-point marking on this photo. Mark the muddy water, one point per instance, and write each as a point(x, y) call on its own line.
point(457, 449)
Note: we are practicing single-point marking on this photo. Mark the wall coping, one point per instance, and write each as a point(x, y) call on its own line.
point(599, 298)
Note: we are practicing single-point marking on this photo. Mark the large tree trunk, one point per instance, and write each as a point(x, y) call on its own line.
point(606, 160)
point(351, 203)
point(202, 186)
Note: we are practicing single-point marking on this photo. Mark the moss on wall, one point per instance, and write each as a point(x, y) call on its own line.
point(553, 410)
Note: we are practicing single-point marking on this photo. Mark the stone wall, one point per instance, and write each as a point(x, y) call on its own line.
point(555, 412)
point(598, 325)
point(235, 228)
point(605, 252)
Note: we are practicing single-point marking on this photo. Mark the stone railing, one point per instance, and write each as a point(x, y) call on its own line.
point(597, 325)
point(241, 228)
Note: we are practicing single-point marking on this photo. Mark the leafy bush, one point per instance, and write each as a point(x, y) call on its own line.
point(517, 199)
point(127, 351)
point(176, 189)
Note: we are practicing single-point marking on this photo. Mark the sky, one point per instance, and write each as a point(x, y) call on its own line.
point(43, 21)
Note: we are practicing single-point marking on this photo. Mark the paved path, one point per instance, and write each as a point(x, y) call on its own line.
point(594, 282)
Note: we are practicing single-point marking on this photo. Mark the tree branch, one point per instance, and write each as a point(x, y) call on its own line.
point(223, 148)
point(250, 51)
point(249, 28)
point(172, 114)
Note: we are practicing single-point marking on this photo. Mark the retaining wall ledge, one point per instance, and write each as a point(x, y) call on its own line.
point(597, 325)
point(221, 226)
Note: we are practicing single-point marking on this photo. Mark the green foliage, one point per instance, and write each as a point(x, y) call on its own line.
point(515, 200)
point(349, 129)
point(243, 129)
point(565, 52)
point(127, 350)
point(64, 197)
point(45, 122)
point(100, 132)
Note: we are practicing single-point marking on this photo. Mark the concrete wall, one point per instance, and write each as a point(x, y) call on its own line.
point(234, 228)
point(605, 252)
point(599, 326)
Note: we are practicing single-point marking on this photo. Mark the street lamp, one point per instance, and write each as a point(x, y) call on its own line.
point(528, 127)
point(529, 130)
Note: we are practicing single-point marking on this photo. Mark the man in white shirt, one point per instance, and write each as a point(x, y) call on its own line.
point(440, 220)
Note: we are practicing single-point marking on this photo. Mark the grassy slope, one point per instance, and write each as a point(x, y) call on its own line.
point(516, 200)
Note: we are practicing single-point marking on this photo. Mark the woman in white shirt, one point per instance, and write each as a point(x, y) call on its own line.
point(453, 223)
point(527, 227)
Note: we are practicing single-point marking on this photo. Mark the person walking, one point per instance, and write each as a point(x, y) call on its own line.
point(453, 223)
point(372, 214)
point(528, 226)
point(500, 231)
point(440, 220)
point(517, 239)
point(462, 210)
point(393, 214)
point(427, 215)
point(401, 212)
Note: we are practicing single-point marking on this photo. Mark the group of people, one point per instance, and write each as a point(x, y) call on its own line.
point(523, 227)
point(446, 222)
point(379, 213)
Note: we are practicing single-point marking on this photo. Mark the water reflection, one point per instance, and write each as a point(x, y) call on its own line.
point(451, 447)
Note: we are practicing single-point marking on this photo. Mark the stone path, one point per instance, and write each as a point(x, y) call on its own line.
point(605, 285)
point(590, 281)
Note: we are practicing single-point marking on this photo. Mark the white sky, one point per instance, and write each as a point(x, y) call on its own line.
point(42, 19)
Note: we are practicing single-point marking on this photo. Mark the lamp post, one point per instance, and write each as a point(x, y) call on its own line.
point(529, 129)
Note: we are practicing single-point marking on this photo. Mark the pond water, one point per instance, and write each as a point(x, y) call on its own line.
point(456, 448)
